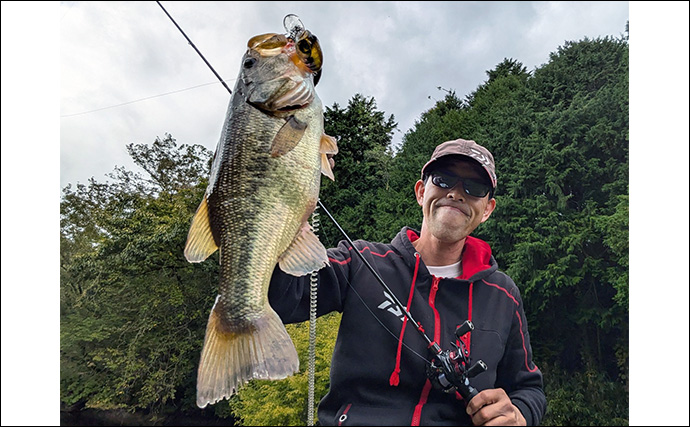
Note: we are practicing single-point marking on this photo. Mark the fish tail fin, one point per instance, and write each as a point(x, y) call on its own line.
point(261, 350)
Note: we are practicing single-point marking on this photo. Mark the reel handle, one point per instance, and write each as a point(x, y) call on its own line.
point(476, 369)
point(467, 326)
point(447, 370)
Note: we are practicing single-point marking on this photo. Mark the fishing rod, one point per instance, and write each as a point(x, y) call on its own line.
point(294, 27)
point(448, 370)
point(197, 50)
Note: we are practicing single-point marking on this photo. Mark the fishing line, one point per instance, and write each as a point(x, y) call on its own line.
point(393, 297)
point(197, 50)
point(366, 263)
point(313, 291)
point(380, 280)
point(383, 325)
point(352, 288)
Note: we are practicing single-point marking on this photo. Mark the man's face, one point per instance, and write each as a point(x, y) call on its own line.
point(451, 214)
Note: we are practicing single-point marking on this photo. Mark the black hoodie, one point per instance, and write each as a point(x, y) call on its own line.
point(378, 370)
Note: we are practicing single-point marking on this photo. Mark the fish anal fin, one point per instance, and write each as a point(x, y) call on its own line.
point(288, 136)
point(304, 255)
point(200, 242)
point(328, 146)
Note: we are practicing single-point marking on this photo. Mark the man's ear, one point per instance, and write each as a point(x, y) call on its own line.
point(488, 209)
point(419, 191)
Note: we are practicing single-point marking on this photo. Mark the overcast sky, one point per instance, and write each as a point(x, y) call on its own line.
point(115, 53)
point(63, 59)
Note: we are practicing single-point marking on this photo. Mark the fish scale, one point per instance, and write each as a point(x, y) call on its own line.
point(263, 187)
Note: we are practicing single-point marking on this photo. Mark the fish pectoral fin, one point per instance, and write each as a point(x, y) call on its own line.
point(200, 242)
point(329, 145)
point(304, 255)
point(288, 136)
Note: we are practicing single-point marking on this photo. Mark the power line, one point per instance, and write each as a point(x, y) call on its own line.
point(168, 93)
point(138, 100)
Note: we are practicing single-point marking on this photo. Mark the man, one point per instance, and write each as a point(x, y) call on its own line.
point(444, 276)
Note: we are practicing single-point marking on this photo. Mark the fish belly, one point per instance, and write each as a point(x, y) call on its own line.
point(257, 209)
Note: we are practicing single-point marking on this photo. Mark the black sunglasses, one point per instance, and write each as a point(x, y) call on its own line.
point(448, 180)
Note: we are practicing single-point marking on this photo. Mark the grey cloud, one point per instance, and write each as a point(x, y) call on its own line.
point(397, 52)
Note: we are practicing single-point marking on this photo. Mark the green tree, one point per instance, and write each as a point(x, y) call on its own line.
point(285, 402)
point(133, 310)
point(560, 229)
point(581, 102)
point(362, 167)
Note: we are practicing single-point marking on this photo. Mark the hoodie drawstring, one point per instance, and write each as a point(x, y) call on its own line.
point(395, 376)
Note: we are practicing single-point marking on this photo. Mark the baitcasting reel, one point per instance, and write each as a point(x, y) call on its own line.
point(450, 370)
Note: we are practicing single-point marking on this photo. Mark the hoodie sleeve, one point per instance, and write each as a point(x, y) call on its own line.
point(517, 374)
point(289, 295)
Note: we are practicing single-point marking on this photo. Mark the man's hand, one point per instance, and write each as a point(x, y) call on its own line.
point(493, 408)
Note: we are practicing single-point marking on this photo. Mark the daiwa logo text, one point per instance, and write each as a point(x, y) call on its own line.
point(390, 306)
point(479, 156)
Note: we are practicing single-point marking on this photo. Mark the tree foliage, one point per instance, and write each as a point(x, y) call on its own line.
point(134, 311)
point(285, 402)
point(362, 169)
point(560, 228)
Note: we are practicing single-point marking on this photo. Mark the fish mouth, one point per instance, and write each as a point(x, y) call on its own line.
point(290, 108)
point(266, 109)
point(290, 97)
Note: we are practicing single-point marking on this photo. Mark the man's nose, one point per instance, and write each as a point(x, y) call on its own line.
point(457, 192)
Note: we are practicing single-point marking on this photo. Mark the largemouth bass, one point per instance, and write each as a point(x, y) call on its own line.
point(264, 185)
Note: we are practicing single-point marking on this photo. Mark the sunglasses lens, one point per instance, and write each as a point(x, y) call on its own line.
point(475, 188)
point(443, 180)
point(471, 186)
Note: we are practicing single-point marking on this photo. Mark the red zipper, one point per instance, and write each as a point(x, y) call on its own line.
point(432, 300)
point(417, 416)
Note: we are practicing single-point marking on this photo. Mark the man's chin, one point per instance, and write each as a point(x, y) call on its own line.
point(448, 234)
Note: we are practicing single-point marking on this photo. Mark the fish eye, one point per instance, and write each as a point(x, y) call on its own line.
point(249, 62)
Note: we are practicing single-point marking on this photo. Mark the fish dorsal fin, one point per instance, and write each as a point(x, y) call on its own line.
point(304, 255)
point(329, 145)
point(288, 136)
point(200, 241)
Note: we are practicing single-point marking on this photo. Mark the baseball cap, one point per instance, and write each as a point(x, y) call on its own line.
point(468, 148)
